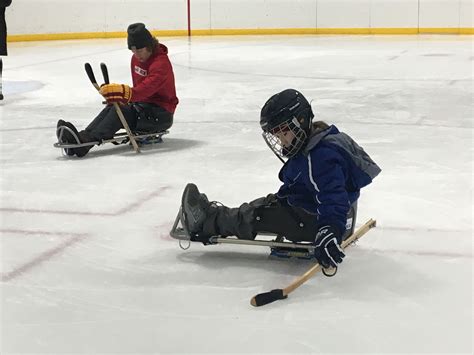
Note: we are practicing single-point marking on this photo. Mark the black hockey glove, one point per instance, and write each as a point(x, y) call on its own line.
point(328, 251)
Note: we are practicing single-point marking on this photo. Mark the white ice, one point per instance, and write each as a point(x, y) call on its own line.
point(87, 262)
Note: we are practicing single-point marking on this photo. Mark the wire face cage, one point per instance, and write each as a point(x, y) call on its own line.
point(274, 142)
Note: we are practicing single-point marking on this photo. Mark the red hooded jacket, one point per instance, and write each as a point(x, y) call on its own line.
point(153, 80)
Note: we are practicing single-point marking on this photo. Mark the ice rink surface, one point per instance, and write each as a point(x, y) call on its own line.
point(87, 264)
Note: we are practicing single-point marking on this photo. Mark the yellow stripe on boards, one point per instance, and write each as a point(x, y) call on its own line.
point(62, 36)
point(439, 30)
point(88, 35)
point(394, 31)
point(254, 31)
point(343, 31)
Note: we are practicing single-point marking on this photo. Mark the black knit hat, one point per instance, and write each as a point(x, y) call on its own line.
point(138, 36)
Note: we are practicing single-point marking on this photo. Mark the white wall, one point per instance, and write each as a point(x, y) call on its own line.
point(227, 14)
point(439, 13)
point(343, 14)
point(63, 16)
point(467, 13)
point(394, 14)
point(157, 14)
point(71, 16)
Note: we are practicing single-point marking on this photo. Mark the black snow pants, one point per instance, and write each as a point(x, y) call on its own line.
point(141, 118)
point(3, 32)
point(268, 215)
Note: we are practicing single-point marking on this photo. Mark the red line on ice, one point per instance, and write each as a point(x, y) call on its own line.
point(123, 210)
point(45, 256)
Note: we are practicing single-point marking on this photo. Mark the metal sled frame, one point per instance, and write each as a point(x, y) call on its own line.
point(119, 138)
point(179, 232)
point(59, 133)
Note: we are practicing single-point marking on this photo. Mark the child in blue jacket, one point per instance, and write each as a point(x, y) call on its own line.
point(322, 175)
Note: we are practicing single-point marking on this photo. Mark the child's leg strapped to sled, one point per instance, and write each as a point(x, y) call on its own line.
point(204, 219)
point(142, 118)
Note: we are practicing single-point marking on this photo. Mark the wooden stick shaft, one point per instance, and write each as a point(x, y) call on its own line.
point(127, 128)
point(124, 123)
point(314, 269)
point(120, 115)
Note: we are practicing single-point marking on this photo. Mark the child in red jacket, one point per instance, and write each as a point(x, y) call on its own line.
point(148, 106)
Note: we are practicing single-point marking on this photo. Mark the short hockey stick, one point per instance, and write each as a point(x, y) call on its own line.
point(105, 73)
point(279, 294)
point(90, 74)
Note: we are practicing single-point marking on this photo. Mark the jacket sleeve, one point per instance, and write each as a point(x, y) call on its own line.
point(327, 178)
point(159, 74)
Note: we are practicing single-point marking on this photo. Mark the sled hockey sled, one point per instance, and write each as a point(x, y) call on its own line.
point(119, 138)
point(279, 247)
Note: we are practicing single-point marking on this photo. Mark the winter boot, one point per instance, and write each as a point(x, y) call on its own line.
point(84, 138)
point(195, 207)
point(69, 134)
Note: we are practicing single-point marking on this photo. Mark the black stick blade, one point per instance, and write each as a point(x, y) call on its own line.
point(105, 73)
point(267, 297)
point(90, 73)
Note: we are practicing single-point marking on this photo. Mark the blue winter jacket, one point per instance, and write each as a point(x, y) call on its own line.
point(326, 176)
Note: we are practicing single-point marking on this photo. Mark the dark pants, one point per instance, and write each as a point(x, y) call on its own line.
point(3, 32)
point(268, 215)
point(140, 117)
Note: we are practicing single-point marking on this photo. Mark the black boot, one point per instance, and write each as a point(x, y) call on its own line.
point(84, 138)
point(72, 136)
point(195, 207)
point(204, 219)
point(66, 136)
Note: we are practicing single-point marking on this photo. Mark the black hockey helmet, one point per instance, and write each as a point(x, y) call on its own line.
point(286, 111)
